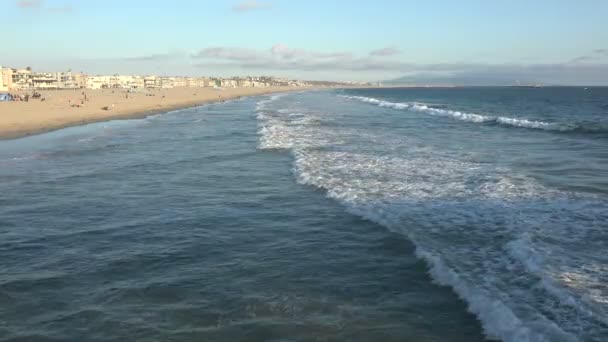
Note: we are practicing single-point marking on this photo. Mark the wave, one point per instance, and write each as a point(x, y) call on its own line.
point(484, 231)
point(372, 187)
point(479, 118)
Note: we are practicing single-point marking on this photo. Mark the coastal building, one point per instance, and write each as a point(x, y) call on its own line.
point(137, 82)
point(71, 80)
point(257, 84)
point(193, 82)
point(179, 82)
point(207, 82)
point(44, 81)
point(21, 79)
point(26, 79)
point(244, 83)
point(152, 82)
point(127, 81)
point(166, 82)
point(81, 79)
point(99, 82)
point(228, 83)
point(6, 79)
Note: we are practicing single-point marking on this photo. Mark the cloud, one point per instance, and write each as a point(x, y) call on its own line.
point(160, 57)
point(228, 53)
point(343, 55)
point(594, 55)
point(29, 4)
point(251, 5)
point(387, 51)
point(285, 52)
point(281, 57)
point(282, 51)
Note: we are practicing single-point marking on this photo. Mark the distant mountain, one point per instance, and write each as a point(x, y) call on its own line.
point(459, 80)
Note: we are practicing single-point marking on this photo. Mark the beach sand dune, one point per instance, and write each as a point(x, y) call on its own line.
point(64, 108)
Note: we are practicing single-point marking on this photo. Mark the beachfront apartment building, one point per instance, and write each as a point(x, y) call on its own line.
point(257, 84)
point(71, 80)
point(166, 82)
point(127, 81)
point(180, 82)
point(21, 79)
point(244, 83)
point(58, 80)
point(229, 83)
point(208, 82)
point(99, 82)
point(6, 79)
point(115, 81)
point(192, 82)
point(152, 82)
point(44, 81)
point(26, 79)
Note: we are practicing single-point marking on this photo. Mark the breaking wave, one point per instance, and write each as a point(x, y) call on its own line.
point(508, 246)
point(479, 118)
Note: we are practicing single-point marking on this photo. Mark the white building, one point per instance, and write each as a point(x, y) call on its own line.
point(166, 82)
point(257, 84)
point(46, 81)
point(71, 80)
point(151, 82)
point(99, 82)
point(180, 82)
point(6, 79)
point(229, 83)
point(21, 79)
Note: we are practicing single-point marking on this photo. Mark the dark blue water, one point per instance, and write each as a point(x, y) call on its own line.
point(357, 215)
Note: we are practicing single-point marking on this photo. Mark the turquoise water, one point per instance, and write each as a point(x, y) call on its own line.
point(344, 215)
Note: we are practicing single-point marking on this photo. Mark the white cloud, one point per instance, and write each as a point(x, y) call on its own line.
point(387, 51)
point(29, 4)
point(38, 5)
point(228, 53)
point(285, 52)
point(282, 58)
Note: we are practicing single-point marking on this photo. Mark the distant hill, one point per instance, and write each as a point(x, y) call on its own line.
point(459, 80)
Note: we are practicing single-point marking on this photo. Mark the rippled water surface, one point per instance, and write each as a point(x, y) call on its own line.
point(343, 215)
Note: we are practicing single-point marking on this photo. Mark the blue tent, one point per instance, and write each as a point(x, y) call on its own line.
point(4, 97)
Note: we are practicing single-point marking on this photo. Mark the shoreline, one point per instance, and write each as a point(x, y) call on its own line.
point(51, 116)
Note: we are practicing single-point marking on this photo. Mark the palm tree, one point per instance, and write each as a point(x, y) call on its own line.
point(28, 68)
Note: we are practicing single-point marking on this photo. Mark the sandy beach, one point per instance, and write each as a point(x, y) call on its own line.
point(64, 108)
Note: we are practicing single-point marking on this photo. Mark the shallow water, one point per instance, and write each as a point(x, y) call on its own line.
point(358, 215)
point(503, 191)
point(178, 227)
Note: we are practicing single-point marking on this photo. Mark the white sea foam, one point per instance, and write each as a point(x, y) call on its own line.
point(459, 115)
point(492, 235)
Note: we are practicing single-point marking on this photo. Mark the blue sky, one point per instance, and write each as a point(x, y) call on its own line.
point(553, 41)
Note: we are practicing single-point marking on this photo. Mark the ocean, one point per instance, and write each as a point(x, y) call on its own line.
point(401, 214)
